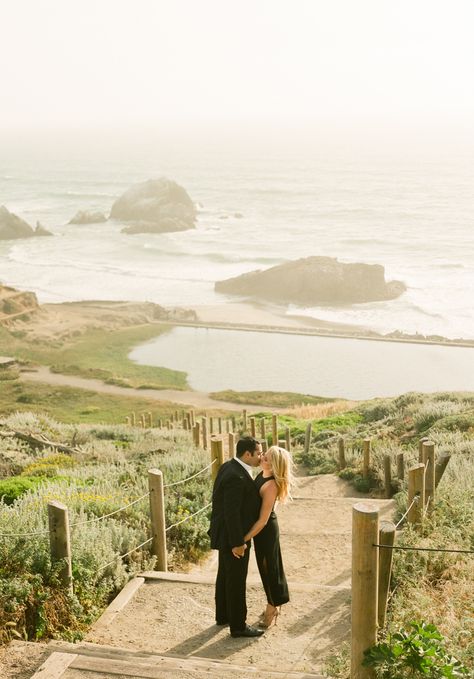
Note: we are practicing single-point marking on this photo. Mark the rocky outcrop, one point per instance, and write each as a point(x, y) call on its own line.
point(12, 226)
point(315, 280)
point(88, 217)
point(14, 303)
point(41, 231)
point(155, 206)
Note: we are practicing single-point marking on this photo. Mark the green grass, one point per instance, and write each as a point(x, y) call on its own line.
point(99, 354)
point(277, 399)
point(70, 405)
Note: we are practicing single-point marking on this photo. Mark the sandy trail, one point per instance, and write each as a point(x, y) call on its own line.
point(192, 399)
point(177, 618)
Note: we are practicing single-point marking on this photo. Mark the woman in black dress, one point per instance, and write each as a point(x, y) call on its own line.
point(274, 484)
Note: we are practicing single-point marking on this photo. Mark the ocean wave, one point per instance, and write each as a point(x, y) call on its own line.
point(91, 195)
point(367, 241)
point(451, 266)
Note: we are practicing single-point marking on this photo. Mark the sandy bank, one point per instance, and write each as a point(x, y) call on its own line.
point(66, 321)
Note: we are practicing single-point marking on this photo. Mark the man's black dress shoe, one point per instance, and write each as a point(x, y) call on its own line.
point(248, 632)
point(222, 622)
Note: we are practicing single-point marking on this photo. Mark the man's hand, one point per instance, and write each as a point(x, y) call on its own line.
point(238, 552)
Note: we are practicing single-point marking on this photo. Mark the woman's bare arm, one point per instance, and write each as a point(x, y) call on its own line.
point(268, 493)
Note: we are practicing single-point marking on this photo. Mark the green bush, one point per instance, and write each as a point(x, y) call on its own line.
point(460, 422)
point(16, 486)
point(25, 398)
point(416, 652)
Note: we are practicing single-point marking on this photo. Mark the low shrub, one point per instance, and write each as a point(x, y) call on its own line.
point(418, 651)
point(14, 487)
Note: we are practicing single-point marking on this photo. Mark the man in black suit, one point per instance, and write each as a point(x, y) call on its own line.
point(235, 508)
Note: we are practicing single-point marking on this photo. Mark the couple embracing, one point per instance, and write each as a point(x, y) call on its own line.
point(242, 509)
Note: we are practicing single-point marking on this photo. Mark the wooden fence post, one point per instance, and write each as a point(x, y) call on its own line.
point(231, 445)
point(134, 419)
point(428, 452)
point(387, 473)
point(416, 486)
point(441, 465)
point(157, 513)
point(197, 434)
point(211, 425)
point(307, 438)
point(128, 421)
point(365, 562)
point(264, 446)
point(420, 448)
point(217, 456)
point(232, 419)
point(244, 420)
point(204, 432)
point(274, 430)
point(386, 537)
point(341, 452)
point(263, 433)
point(60, 541)
point(219, 425)
point(288, 439)
point(401, 466)
point(253, 431)
point(366, 461)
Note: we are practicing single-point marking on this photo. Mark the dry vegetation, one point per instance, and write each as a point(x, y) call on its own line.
point(109, 469)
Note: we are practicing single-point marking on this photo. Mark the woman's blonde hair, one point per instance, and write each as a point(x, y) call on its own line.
point(282, 469)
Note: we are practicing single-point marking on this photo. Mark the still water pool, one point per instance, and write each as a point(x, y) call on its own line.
point(323, 366)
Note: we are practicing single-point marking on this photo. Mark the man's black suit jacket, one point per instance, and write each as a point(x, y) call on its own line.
point(235, 506)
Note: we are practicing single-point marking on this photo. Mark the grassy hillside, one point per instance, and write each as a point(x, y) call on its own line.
point(98, 353)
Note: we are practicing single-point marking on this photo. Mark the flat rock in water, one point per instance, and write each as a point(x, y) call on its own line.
point(315, 280)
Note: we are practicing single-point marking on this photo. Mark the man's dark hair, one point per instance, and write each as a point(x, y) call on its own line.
point(246, 443)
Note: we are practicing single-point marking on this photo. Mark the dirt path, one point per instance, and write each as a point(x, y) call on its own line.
point(192, 399)
point(167, 626)
point(177, 617)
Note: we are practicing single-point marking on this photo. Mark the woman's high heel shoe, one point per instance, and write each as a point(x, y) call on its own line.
point(270, 616)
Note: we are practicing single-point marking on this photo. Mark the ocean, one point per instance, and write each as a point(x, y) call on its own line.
point(409, 209)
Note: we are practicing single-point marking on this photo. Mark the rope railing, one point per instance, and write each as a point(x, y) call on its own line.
point(25, 535)
point(122, 556)
point(116, 511)
point(177, 483)
point(415, 501)
point(106, 516)
point(425, 549)
point(186, 518)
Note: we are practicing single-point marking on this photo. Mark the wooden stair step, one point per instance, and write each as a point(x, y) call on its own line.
point(69, 660)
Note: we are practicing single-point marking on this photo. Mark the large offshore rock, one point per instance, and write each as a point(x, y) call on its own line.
point(155, 206)
point(315, 280)
point(12, 226)
point(88, 217)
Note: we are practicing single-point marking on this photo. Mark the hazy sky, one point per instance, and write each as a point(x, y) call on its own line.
point(116, 62)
